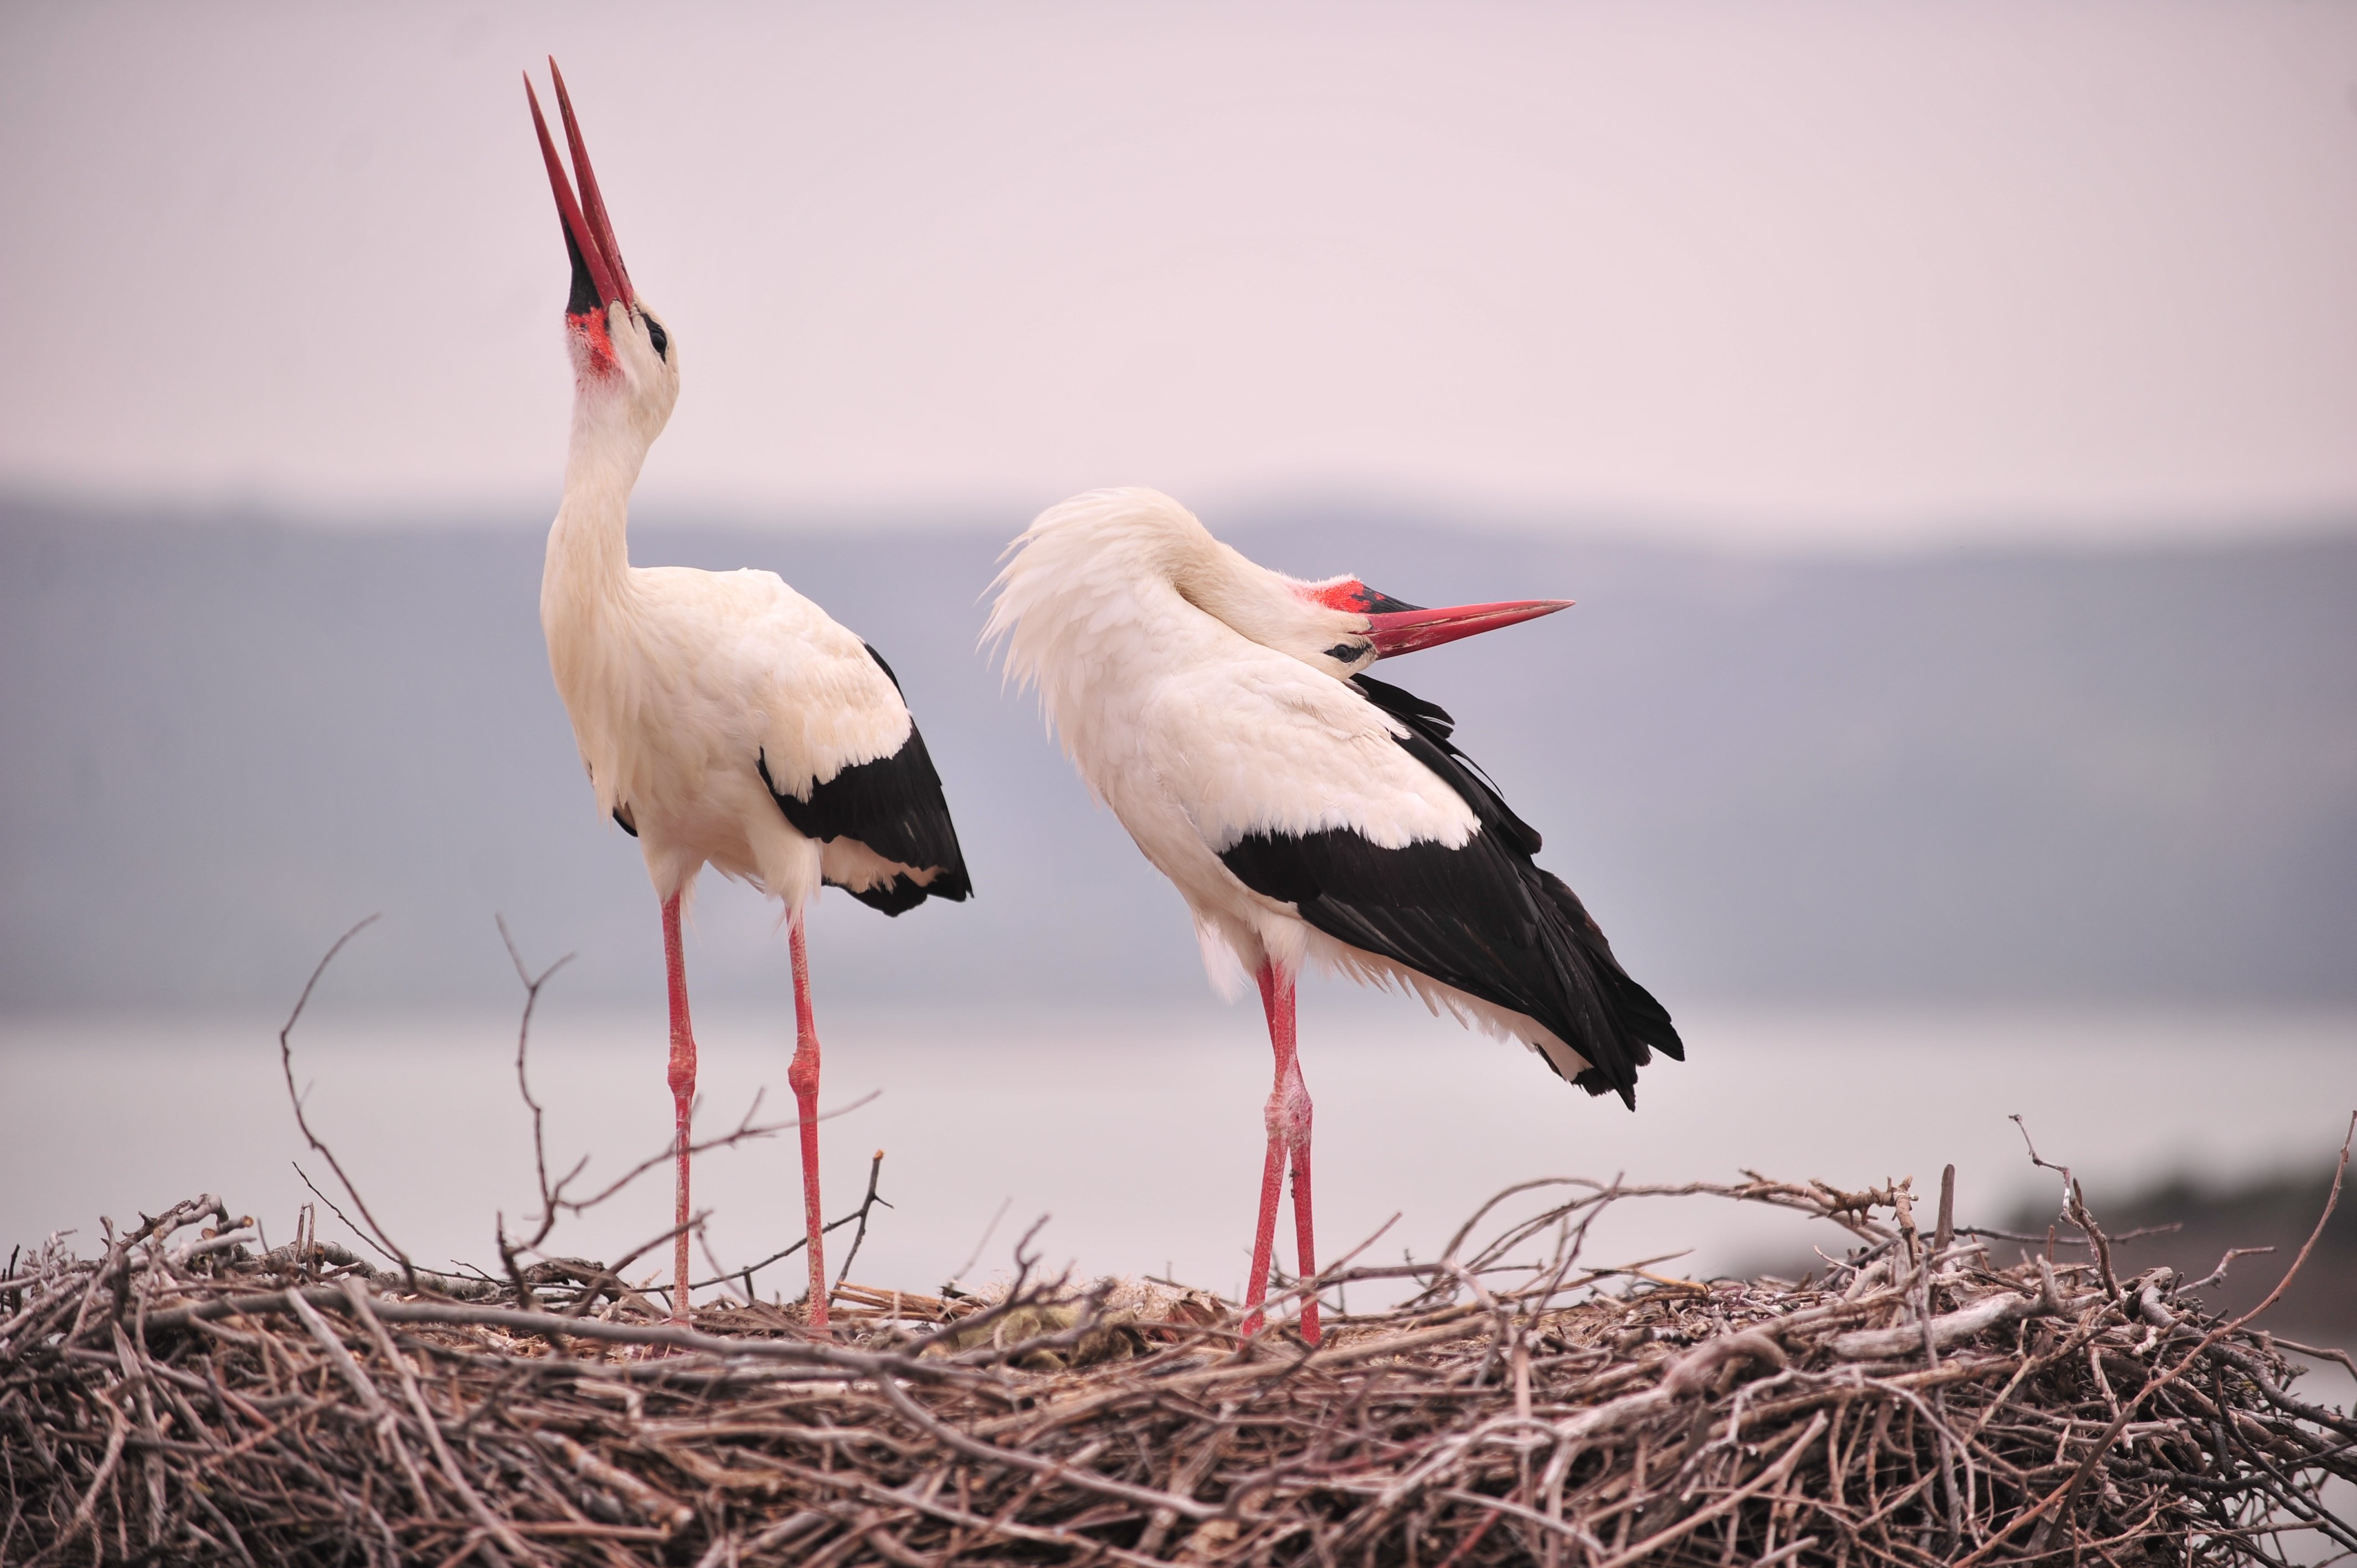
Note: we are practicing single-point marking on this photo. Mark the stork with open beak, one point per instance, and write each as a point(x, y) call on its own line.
point(1308, 812)
point(724, 719)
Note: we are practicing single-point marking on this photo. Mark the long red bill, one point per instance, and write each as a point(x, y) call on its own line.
point(1395, 632)
point(578, 234)
point(593, 205)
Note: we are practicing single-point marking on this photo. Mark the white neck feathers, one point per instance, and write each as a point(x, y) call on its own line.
point(589, 547)
point(1134, 567)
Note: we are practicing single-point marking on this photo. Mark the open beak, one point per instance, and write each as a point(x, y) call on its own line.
point(599, 279)
point(1405, 630)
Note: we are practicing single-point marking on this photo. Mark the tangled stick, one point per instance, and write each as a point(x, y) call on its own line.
point(185, 1396)
point(175, 1398)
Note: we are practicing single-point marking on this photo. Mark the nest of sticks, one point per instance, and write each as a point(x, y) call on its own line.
point(185, 1397)
point(190, 1396)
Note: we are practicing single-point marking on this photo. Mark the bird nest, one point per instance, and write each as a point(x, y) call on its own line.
point(185, 1397)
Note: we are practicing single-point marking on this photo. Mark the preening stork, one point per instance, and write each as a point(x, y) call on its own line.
point(725, 720)
point(1308, 812)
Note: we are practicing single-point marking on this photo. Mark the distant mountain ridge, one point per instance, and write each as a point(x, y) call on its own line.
point(1985, 776)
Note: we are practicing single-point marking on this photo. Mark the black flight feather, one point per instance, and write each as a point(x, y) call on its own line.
point(894, 805)
point(1481, 918)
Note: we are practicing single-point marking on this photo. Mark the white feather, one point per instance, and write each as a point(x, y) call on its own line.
point(1192, 690)
point(678, 681)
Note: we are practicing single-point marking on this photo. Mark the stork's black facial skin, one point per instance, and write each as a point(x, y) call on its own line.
point(1344, 653)
point(1375, 603)
point(1354, 597)
point(583, 300)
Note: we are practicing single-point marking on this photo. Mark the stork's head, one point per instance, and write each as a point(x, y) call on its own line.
point(1079, 557)
point(625, 362)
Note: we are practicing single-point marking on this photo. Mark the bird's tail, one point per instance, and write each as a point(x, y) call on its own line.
point(1634, 1025)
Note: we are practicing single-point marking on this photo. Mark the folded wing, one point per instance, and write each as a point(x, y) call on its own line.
point(1366, 860)
point(892, 805)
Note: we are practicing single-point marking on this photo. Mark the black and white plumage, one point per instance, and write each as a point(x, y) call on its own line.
point(1481, 918)
point(725, 719)
point(892, 807)
point(1307, 812)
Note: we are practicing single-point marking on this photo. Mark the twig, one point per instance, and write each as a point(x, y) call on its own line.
point(975, 1256)
point(364, 1238)
point(531, 986)
point(859, 1214)
point(874, 1168)
point(294, 1097)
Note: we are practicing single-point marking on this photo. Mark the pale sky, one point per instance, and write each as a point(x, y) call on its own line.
point(1808, 273)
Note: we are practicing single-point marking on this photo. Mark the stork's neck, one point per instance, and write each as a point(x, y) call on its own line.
point(589, 547)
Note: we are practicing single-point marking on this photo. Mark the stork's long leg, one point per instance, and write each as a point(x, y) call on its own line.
point(1288, 1120)
point(681, 1076)
point(803, 1076)
point(1272, 1189)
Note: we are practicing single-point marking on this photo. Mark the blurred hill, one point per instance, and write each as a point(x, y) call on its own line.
point(2320, 1306)
point(2189, 1223)
point(1968, 776)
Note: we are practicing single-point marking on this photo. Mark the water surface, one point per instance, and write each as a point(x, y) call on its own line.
point(1139, 1134)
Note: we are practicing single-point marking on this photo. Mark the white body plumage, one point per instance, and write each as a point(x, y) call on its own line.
point(679, 682)
point(682, 684)
point(1202, 700)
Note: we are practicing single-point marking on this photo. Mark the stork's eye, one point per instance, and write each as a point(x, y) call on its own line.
point(657, 336)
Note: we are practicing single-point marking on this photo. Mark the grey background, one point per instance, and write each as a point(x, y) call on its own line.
point(1985, 775)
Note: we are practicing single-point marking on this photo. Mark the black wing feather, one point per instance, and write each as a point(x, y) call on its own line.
point(1481, 918)
point(895, 806)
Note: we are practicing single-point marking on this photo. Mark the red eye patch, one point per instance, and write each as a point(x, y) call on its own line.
point(1349, 594)
point(1354, 597)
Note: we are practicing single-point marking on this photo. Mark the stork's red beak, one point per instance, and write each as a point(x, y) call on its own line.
point(599, 279)
point(1395, 632)
point(1396, 627)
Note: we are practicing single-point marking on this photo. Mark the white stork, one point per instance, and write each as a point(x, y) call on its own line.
point(1306, 811)
point(725, 720)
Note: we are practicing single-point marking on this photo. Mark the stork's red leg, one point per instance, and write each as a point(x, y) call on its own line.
point(1298, 1140)
point(803, 1076)
point(1272, 1189)
point(1288, 1132)
point(681, 1077)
